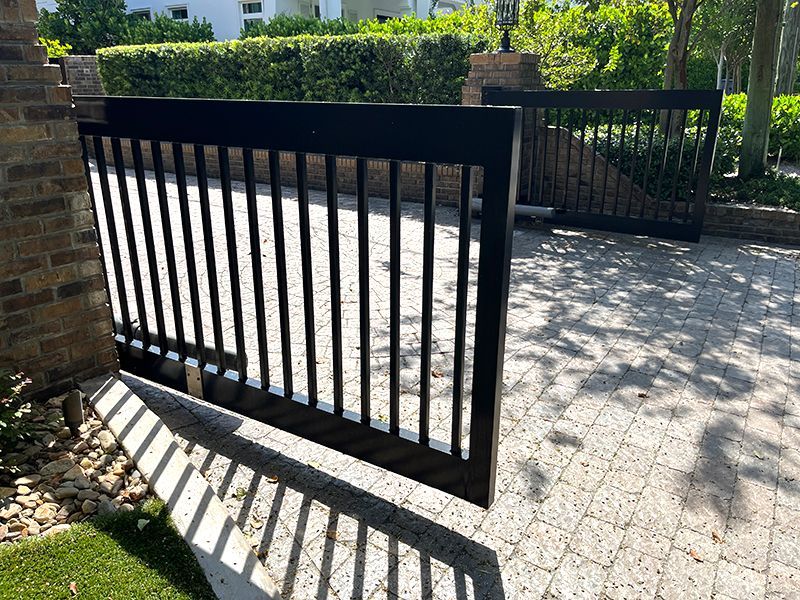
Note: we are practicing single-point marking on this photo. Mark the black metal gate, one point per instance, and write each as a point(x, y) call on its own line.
point(635, 161)
point(484, 145)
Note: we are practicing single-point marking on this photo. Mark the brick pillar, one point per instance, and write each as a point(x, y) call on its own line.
point(55, 323)
point(509, 71)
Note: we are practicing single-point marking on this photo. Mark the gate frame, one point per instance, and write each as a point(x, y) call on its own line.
point(487, 137)
point(710, 100)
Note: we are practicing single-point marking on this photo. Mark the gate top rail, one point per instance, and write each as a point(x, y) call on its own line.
point(606, 99)
point(381, 131)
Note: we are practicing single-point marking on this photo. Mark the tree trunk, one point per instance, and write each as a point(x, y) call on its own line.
point(720, 66)
point(789, 49)
point(677, 57)
point(760, 90)
point(737, 78)
point(678, 52)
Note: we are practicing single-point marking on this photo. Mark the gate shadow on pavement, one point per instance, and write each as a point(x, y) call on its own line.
point(252, 475)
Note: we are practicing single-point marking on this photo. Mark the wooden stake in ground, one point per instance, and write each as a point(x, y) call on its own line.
point(760, 88)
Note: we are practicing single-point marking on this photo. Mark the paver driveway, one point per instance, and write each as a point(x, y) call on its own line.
point(650, 439)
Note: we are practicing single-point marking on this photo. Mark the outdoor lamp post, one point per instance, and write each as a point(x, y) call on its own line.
point(507, 17)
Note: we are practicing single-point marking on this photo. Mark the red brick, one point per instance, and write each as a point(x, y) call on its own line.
point(51, 187)
point(27, 301)
point(22, 94)
point(63, 340)
point(21, 229)
point(55, 149)
point(49, 361)
point(35, 333)
point(59, 309)
point(37, 208)
point(69, 368)
point(39, 281)
point(10, 287)
point(33, 171)
point(44, 244)
point(25, 133)
point(80, 287)
point(74, 255)
point(20, 266)
point(49, 112)
point(59, 94)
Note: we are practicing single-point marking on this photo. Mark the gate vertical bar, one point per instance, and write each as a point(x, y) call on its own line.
point(188, 244)
point(253, 222)
point(394, 297)
point(211, 258)
point(90, 186)
point(169, 247)
point(332, 191)
point(462, 286)
point(280, 266)
point(308, 287)
point(130, 238)
point(429, 224)
point(233, 260)
point(362, 194)
point(150, 246)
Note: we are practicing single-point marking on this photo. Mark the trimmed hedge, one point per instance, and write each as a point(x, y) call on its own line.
point(284, 25)
point(425, 69)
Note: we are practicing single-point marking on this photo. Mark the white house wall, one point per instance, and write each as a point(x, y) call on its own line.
point(225, 17)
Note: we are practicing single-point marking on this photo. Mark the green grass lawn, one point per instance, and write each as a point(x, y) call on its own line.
point(106, 558)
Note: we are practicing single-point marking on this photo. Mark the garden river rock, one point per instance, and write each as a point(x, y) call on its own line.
point(62, 479)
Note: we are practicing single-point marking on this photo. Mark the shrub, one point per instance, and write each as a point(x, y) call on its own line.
point(284, 25)
point(773, 189)
point(55, 49)
point(347, 68)
point(13, 427)
point(784, 130)
point(86, 25)
point(165, 29)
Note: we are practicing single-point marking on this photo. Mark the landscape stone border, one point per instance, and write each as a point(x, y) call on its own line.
point(221, 549)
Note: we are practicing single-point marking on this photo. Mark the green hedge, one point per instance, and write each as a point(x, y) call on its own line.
point(284, 25)
point(784, 130)
point(424, 69)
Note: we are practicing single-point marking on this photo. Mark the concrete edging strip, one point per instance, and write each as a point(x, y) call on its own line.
point(224, 554)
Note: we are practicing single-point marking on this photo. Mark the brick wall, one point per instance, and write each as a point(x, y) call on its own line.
point(573, 171)
point(55, 324)
point(82, 75)
point(511, 71)
point(761, 223)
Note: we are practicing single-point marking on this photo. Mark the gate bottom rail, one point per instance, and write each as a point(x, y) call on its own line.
point(431, 464)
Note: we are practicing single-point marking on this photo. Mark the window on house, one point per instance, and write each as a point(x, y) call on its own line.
point(310, 8)
point(251, 13)
point(178, 13)
point(142, 13)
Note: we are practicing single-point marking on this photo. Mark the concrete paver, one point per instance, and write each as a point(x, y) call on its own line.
point(648, 437)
